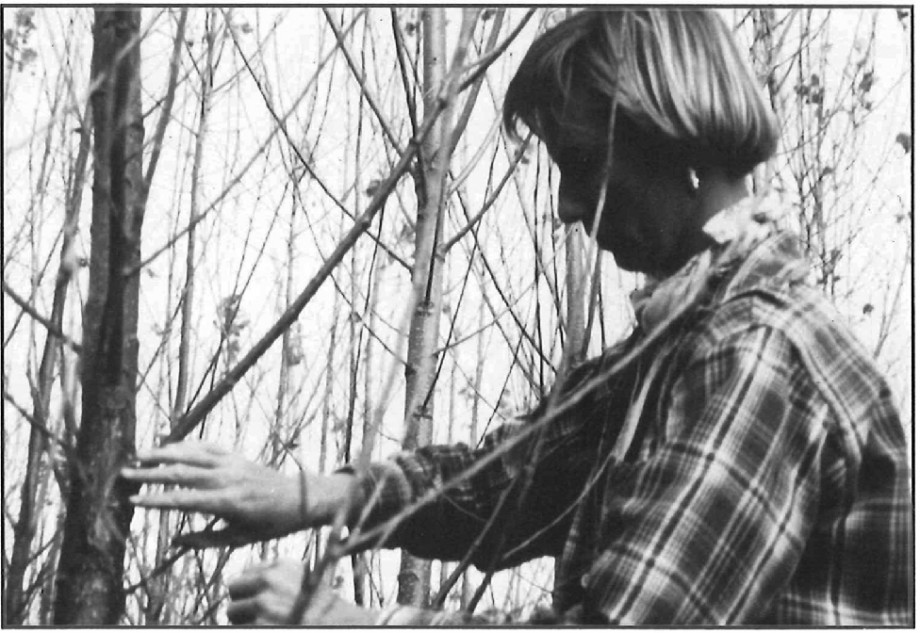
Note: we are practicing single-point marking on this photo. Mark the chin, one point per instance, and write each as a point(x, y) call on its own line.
point(633, 267)
point(628, 259)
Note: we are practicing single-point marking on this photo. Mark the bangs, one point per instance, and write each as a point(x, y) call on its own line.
point(541, 87)
point(676, 72)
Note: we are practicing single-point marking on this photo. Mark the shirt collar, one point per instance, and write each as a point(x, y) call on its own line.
point(749, 250)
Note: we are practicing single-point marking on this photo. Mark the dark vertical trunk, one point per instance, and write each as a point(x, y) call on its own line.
point(90, 574)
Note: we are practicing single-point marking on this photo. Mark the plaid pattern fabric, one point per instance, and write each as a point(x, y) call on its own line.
point(768, 481)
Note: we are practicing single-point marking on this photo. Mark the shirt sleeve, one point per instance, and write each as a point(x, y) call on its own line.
point(508, 500)
point(449, 500)
point(711, 526)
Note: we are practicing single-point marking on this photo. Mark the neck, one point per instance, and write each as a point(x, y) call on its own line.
point(717, 191)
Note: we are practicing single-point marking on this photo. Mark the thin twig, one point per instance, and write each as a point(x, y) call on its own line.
point(239, 176)
point(35, 424)
point(200, 410)
point(362, 81)
point(51, 327)
point(472, 222)
point(470, 102)
point(166, 112)
point(407, 87)
point(483, 64)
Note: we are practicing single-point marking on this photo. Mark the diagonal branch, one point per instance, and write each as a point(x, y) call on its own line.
point(304, 162)
point(359, 76)
point(133, 270)
point(166, 113)
point(53, 329)
point(200, 410)
point(482, 65)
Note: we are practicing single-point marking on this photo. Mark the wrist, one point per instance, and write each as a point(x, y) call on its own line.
point(331, 494)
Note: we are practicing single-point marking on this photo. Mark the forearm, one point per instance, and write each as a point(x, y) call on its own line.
point(453, 502)
point(414, 495)
point(512, 497)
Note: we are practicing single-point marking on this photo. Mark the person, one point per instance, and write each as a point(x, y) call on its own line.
point(738, 459)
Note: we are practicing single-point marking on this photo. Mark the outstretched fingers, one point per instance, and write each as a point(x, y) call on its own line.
point(189, 500)
point(175, 474)
point(232, 536)
point(190, 453)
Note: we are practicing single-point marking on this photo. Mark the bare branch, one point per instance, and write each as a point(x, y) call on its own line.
point(200, 410)
point(51, 327)
point(166, 113)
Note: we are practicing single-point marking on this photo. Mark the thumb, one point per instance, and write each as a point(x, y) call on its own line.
point(228, 537)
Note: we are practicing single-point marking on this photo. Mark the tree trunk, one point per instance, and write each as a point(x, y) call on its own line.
point(90, 574)
point(415, 574)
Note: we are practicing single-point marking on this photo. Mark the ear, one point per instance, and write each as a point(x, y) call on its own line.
point(693, 180)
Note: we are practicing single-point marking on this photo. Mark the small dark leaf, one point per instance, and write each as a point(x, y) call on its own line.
point(28, 56)
point(905, 140)
point(407, 233)
point(372, 188)
point(816, 96)
point(867, 309)
point(293, 357)
point(24, 18)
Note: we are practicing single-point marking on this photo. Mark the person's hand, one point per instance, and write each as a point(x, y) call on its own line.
point(265, 595)
point(258, 503)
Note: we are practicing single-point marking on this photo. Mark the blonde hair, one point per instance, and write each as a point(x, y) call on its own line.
point(675, 73)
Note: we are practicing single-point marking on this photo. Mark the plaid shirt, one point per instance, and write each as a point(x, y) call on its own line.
point(767, 481)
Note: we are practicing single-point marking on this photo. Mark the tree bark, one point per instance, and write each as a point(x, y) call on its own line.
point(91, 569)
point(414, 573)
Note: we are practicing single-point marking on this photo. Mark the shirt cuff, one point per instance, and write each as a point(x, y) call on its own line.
point(384, 489)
